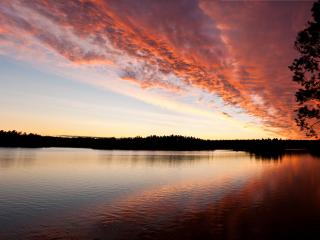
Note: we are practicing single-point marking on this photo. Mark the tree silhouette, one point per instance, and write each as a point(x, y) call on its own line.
point(306, 72)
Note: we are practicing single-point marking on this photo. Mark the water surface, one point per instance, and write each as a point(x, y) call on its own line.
point(59, 193)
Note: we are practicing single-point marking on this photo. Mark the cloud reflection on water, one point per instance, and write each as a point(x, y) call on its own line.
point(171, 195)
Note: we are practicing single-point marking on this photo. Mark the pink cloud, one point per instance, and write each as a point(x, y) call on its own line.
point(238, 50)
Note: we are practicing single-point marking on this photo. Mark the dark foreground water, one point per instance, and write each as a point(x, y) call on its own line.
point(91, 194)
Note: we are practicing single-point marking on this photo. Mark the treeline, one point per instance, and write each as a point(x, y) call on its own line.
point(173, 142)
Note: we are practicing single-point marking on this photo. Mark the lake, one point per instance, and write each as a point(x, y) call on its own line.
point(61, 193)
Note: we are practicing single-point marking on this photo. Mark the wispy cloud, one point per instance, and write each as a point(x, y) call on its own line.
point(238, 51)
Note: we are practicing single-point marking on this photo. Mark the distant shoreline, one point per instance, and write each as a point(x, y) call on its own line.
point(173, 142)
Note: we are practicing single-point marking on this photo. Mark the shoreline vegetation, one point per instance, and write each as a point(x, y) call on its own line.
point(259, 147)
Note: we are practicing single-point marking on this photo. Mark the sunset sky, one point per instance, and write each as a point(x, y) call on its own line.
point(203, 68)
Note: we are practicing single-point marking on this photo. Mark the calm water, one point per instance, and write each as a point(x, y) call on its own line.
point(92, 194)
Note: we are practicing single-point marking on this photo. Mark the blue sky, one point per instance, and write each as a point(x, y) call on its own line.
point(209, 69)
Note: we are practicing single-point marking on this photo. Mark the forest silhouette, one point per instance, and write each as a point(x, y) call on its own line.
point(263, 148)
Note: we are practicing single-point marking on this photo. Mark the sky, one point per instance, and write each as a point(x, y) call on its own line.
point(203, 68)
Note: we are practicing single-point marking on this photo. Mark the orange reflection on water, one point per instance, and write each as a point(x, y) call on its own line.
point(282, 201)
point(175, 195)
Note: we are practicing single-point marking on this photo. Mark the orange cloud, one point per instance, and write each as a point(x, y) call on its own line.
point(237, 50)
point(263, 49)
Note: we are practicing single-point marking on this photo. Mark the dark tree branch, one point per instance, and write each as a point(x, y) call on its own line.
point(306, 72)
